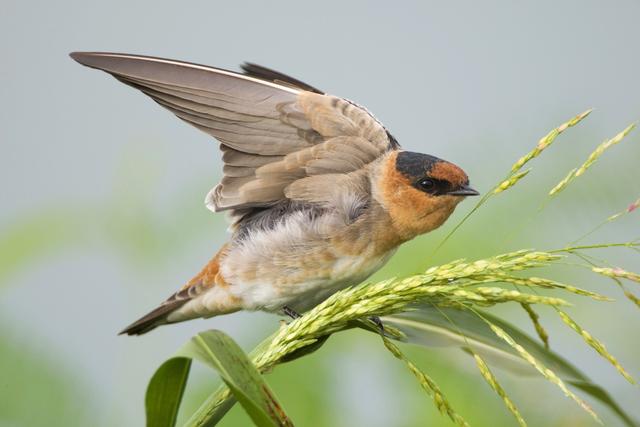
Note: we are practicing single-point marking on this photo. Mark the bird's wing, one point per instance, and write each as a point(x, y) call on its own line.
point(276, 132)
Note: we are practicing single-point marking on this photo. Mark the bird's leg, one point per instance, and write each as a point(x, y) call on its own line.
point(376, 320)
point(291, 312)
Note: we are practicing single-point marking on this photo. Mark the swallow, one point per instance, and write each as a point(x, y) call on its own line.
point(319, 193)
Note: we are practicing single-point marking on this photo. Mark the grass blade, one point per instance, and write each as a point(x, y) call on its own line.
point(601, 394)
point(165, 391)
point(219, 351)
point(442, 327)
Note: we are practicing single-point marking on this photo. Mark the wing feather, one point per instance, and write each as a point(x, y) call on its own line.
point(277, 133)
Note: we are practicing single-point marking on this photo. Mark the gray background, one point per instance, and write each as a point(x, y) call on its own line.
point(473, 82)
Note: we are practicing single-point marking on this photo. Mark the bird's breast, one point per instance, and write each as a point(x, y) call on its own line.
point(298, 264)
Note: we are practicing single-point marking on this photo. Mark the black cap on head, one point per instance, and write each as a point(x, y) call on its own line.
point(433, 175)
point(415, 165)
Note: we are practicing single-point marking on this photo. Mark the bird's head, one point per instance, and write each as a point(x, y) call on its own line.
point(419, 191)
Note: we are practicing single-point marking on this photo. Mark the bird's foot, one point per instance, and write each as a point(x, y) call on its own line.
point(291, 312)
point(376, 320)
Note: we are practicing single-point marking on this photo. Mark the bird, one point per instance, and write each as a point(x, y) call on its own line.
point(319, 194)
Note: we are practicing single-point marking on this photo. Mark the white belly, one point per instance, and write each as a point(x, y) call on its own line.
point(346, 271)
point(292, 264)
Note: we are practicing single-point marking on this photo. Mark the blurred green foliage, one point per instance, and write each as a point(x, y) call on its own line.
point(37, 389)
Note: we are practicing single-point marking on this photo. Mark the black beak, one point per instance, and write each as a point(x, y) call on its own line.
point(464, 191)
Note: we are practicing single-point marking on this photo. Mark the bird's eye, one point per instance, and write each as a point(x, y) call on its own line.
point(427, 184)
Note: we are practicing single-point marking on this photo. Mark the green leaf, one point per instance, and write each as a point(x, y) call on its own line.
point(214, 409)
point(164, 392)
point(220, 352)
point(429, 326)
point(601, 394)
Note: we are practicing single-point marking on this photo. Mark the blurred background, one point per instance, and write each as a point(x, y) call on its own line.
point(102, 212)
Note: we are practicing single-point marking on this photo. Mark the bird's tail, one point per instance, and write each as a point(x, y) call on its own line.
point(154, 318)
point(202, 282)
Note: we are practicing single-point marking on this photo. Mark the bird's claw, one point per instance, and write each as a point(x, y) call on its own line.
point(291, 312)
point(376, 320)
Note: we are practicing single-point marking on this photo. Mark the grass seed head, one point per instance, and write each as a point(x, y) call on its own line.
point(547, 140)
point(511, 181)
point(596, 345)
point(632, 298)
point(427, 384)
point(593, 157)
point(617, 273)
point(632, 207)
point(495, 385)
point(602, 148)
point(546, 372)
point(535, 319)
point(562, 184)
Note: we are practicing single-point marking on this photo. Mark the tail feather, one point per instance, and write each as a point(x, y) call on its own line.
point(152, 319)
point(202, 282)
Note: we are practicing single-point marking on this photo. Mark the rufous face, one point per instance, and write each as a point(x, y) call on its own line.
point(420, 191)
